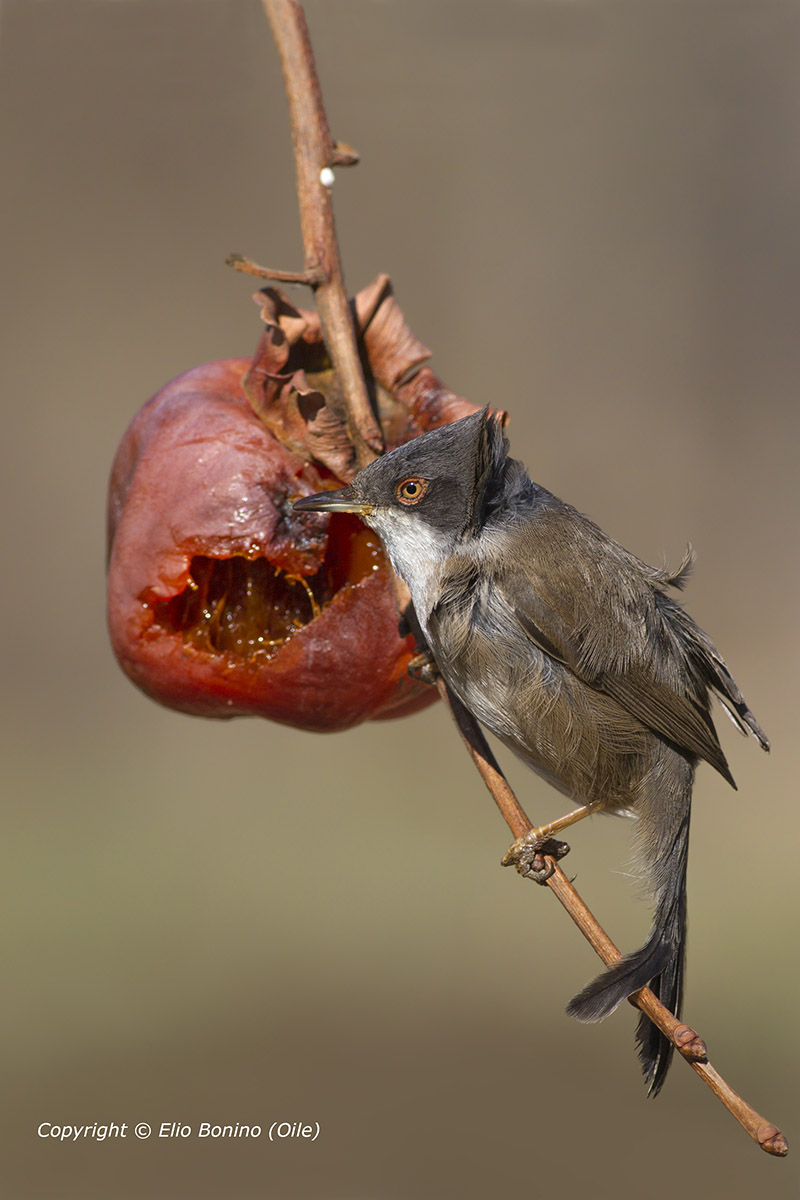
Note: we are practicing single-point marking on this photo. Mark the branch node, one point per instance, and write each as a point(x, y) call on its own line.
point(344, 155)
point(690, 1044)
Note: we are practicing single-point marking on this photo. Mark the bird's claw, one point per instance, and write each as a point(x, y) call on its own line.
point(530, 854)
point(423, 667)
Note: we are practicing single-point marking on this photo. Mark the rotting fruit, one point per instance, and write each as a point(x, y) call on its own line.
point(222, 601)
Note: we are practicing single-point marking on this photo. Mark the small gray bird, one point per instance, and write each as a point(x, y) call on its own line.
point(567, 647)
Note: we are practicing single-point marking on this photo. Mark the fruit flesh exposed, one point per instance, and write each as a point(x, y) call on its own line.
point(222, 601)
point(248, 608)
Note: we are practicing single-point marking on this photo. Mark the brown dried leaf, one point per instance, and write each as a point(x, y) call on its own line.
point(293, 390)
point(330, 443)
point(296, 323)
point(392, 348)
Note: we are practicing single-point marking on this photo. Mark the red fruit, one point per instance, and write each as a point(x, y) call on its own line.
point(222, 601)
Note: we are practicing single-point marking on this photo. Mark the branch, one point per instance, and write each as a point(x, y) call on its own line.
point(315, 153)
point(312, 279)
point(685, 1040)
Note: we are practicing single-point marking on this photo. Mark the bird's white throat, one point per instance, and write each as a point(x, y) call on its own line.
point(417, 551)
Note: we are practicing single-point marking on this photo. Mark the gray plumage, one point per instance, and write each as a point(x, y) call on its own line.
point(568, 648)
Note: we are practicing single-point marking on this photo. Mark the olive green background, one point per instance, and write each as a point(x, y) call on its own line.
point(589, 211)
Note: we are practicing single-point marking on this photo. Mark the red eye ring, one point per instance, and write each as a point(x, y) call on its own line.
point(411, 490)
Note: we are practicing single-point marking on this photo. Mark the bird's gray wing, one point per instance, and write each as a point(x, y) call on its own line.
point(604, 621)
point(714, 671)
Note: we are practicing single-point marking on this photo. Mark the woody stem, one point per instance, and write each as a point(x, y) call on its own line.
point(686, 1041)
point(314, 153)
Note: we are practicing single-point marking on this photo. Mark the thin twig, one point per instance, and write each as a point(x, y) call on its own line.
point(240, 263)
point(315, 152)
point(683, 1037)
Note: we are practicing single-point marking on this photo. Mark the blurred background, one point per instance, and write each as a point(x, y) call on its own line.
point(589, 211)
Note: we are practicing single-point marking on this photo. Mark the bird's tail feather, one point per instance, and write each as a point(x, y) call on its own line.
point(659, 963)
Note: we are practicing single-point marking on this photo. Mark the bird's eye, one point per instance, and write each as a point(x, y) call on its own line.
point(411, 491)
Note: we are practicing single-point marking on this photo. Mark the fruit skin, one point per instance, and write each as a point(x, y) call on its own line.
point(198, 474)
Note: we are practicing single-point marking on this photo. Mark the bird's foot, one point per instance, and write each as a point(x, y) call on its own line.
point(423, 667)
point(529, 854)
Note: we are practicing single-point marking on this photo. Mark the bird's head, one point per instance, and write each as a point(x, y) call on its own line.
point(432, 490)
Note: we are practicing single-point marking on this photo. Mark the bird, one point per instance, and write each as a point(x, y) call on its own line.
point(569, 649)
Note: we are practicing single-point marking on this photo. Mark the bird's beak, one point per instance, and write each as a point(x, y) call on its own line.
point(345, 500)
